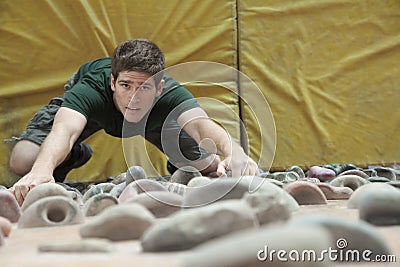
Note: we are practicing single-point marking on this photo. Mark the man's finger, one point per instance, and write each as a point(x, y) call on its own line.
point(31, 186)
point(250, 170)
point(246, 171)
point(221, 171)
point(18, 196)
point(255, 170)
point(236, 170)
point(23, 190)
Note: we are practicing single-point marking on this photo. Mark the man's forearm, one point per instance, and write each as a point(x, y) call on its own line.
point(53, 151)
point(214, 138)
point(208, 134)
point(236, 160)
point(224, 143)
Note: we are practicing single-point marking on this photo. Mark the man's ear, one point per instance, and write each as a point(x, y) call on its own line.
point(160, 88)
point(112, 82)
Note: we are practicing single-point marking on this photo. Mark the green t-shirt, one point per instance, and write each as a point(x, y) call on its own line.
point(92, 96)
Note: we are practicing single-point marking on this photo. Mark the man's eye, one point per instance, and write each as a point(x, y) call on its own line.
point(144, 88)
point(125, 85)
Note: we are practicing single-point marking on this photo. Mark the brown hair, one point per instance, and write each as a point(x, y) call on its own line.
point(138, 55)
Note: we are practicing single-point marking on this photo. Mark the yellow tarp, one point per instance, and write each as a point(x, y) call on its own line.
point(328, 71)
point(44, 42)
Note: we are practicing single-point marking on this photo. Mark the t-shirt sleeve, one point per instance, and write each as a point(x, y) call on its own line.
point(84, 98)
point(179, 96)
point(176, 100)
point(88, 95)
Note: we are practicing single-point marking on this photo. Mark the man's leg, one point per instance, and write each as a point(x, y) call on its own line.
point(79, 155)
point(23, 156)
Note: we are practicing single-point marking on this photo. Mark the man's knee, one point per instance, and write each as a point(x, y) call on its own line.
point(23, 156)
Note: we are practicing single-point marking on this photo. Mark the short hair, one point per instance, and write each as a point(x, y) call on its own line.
point(138, 55)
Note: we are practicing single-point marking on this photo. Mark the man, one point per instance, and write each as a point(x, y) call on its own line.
point(126, 95)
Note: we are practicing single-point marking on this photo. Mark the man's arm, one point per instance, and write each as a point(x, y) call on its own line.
point(198, 125)
point(68, 125)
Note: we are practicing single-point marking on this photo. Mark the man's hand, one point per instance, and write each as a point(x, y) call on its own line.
point(26, 183)
point(239, 165)
point(199, 126)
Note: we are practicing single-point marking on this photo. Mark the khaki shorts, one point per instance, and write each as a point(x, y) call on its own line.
point(40, 125)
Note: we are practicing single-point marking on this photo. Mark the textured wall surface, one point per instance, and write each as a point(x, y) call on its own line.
point(327, 70)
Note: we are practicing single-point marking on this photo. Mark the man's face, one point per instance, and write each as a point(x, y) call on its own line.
point(134, 94)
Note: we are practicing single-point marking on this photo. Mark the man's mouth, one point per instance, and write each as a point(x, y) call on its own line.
point(132, 108)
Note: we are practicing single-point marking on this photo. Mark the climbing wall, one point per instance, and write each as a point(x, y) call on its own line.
point(323, 77)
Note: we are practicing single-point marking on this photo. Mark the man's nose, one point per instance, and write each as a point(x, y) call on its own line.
point(133, 95)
